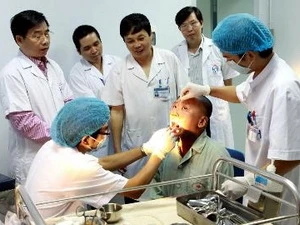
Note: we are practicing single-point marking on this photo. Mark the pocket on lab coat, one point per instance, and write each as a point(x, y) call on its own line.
point(254, 132)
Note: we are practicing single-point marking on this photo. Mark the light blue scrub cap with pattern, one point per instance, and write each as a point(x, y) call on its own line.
point(242, 32)
point(80, 117)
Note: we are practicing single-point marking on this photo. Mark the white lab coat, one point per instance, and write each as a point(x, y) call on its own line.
point(214, 72)
point(58, 172)
point(86, 80)
point(24, 87)
point(274, 95)
point(127, 84)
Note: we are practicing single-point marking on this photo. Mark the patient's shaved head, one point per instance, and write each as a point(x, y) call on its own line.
point(206, 105)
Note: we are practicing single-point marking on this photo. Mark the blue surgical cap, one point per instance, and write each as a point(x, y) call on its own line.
point(242, 32)
point(78, 118)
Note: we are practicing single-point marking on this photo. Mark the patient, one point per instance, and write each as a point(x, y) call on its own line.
point(195, 152)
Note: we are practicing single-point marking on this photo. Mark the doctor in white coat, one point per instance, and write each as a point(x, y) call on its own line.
point(271, 93)
point(141, 88)
point(32, 91)
point(87, 77)
point(205, 64)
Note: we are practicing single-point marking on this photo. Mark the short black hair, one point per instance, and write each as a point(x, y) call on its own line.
point(185, 12)
point(82, 31)
point(24, 21)
point(264, 54)
point(207, 110)
point(134, 23)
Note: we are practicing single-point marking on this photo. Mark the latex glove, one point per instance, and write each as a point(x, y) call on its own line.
point(233, 190)
point(160, 144)
point(192, 90)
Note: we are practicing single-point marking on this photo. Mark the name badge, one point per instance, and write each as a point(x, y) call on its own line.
point(254, 134)
point(162, 93)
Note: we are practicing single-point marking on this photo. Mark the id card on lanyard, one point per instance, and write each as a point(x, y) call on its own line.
point(163, 90)
point(254, 133)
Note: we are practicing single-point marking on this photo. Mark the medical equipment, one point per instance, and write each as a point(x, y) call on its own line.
point(214, 206)
point(211, 207)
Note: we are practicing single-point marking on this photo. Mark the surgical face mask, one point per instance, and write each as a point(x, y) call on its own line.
point(238, 68)
point(100, 143)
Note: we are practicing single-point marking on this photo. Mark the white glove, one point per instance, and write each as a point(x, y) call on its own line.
point(192, 90)
point(233, 190)
point(160, 144)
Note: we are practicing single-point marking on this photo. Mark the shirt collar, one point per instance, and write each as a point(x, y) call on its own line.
point(200, 48)
point(37, 61)
point(200, 142)
point(196, 148)
point(40, 63)
point(156, 59)
point(264, 73)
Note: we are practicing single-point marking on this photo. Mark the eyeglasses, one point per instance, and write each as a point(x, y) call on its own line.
point(104, 132)
point(185, 26)
point(38, 36)
point(101, 141)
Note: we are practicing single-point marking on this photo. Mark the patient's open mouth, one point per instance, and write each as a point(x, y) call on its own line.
point(175, 127)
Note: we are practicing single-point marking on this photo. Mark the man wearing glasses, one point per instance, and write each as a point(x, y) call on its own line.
point(62, 169)
point(205, 64)
point(33, 89)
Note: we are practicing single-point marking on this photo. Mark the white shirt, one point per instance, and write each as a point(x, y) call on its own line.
point(24, 87)
point(195, 69)
point(127, 84)
point(274, 95)
point(214, 72)
point(86, 80)
point(60, 172)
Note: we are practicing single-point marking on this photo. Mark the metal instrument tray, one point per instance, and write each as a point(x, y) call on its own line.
point(244, 213)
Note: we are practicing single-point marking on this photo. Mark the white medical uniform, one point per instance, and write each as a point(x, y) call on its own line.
point(274, 95)
point(86, 80)
point(214, 72)
point(24, 87)
point(128, 85)
point(59, 172)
